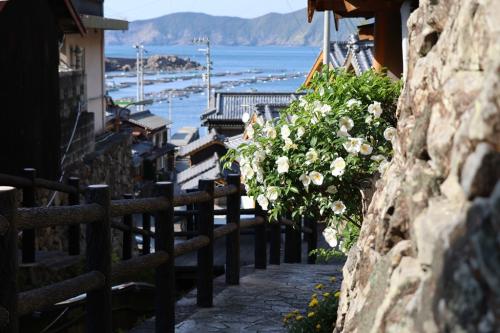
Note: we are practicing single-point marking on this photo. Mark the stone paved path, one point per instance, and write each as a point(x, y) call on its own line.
point(257, 304)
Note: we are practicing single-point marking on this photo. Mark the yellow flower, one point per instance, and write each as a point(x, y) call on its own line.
point(289, 315)
point(299, 317)
point(295, 311)
point(310, 314)
point(326, 294)
point(318, 327)
point(313, 303)
point(337, 294)
point(314, 296)
point(333, 279)
point(319, 286)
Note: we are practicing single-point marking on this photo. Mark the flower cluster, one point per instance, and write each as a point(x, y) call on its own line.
point(320, 315)
point(313, 160)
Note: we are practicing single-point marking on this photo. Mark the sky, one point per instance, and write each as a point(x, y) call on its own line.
point(143, 9)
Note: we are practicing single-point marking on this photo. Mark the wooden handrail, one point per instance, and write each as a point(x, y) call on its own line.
point(137, 206)
point(43, 297)
point(191, 245)
point(97, 213)
point(225, 230)
point(127, 268)
point(42, 217)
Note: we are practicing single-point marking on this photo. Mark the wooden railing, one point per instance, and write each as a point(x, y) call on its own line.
point(97, 213)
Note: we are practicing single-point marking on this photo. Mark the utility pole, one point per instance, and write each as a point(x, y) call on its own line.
point(140, 75)
point(206, 41)
point(326, 38)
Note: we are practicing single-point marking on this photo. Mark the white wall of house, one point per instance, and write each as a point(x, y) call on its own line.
point(92, 46)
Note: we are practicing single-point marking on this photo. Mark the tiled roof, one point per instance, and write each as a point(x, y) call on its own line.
point(233, 142)
point(230, 106)
point(355, 52)
point(202, 142)
point(208, 169)
point(148, 120)
point(184, 136)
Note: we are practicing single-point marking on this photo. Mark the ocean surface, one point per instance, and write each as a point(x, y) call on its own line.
point(248, 63)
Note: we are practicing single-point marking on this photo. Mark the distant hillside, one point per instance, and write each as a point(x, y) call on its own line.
point(289, 29)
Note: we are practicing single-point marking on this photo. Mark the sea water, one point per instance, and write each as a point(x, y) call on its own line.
point(254, 61)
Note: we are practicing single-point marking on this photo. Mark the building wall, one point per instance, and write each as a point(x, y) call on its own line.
point(92, 46)
point(72, 93)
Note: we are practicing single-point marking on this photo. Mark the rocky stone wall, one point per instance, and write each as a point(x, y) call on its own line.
point(428, 257)
point(110, 164)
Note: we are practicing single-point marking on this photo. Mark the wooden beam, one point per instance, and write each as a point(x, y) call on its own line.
point(318, 64)
point(351, 8)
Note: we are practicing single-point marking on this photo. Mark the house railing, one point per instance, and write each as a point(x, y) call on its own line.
point(97, 213)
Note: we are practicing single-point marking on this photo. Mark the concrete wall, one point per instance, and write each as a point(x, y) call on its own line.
point(92, 46)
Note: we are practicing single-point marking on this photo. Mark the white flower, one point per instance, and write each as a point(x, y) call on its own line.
point(390, 133)
point(300, 132)
point(325, 109)
point(272, 193)
point(263, 202)
point(270, 131)
point(285, 132)
point(338, 166)
point(375, 108)
point(282, 163)
point(368, 120)
point(302, 101)
point(353, 145)
point(377, 158)
point(255, 165)
point(382, 168)
point(260, 121)
point(250, 131)
point(316, 178)
point(330, 235)
point(311, 156)
point(260, 175)
point(245, 117)
point(342, 132)
point(332, 189)
point(347, 123)
point(314, 120)
point(289, 144)
point(366, 149)
point(247, 171)
point(338, 207)
point(321, 91)
point(305, 179)
point(353, 102)
point(259, 156)
point(294, 118)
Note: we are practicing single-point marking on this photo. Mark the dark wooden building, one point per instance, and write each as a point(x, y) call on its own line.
point(30, 34)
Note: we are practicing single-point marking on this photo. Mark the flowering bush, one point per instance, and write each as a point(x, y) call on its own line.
point(316, 157)
point(320, 315)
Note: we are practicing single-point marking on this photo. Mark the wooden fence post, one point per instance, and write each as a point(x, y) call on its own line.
point(191, 218)
point(146, 240)
point(312, 240)
point(204, 296)
point(74, 231)
point(98, 239)
point(260, 240)
point(275, 244)
point(233, 239)
point(8, 258)
point(293, 243)
point(297, 249)
point(127, 234)
point(165, 273)
point(28, 239)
